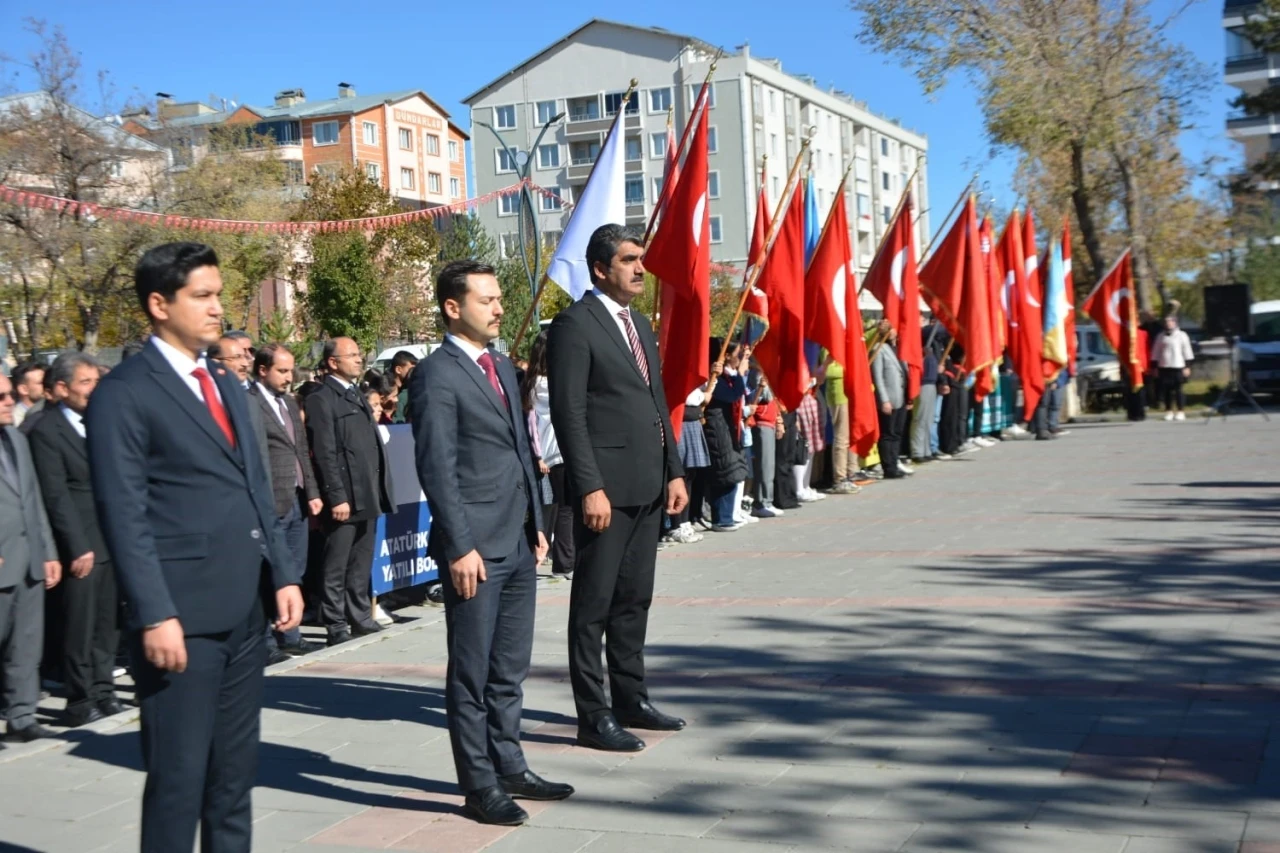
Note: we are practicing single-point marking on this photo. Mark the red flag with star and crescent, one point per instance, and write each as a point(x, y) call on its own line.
point(892, 279)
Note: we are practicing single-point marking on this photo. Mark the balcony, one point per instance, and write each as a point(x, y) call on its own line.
point(1242, 121)
point(597, 127)
point(1244, 63)
point(580, 169)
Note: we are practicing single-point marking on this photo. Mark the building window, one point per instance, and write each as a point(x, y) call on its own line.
point(659, 100)
point(509, 205)
point(329, 170)
point(455, 188)
point(885, 180)
point(546, 111)
point(884, 147)
point(406, 139)
point(776, 188)
point(509, 245)
point(657, 188)
point(549, 156)
point(504, 117)
point(635, 190)
point(373, 172)
point(550, 203)
point(406, 179)
point(433, 144)
point(115, 169)
point(453, 150)
point(831, 161)
point(613, 101)
point(584, 109)
point(713, 184)
point(634, 149)
point(435, 183)
point(658, 145)
point(864, 205)
point(505, 163)
point(773, 145)
point(711, 95)
point(551, 238)
point(886, 213)
point(583, 153)
point(713, 140)
point(717, 232)
point(294, 172)
point(324, 133)
point(370, 133)
point(773, 102)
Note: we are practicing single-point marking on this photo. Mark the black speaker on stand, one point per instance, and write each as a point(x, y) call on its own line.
point(1227, 314)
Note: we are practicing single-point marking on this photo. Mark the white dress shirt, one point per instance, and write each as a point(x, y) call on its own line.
point(614, 310)
point(473, 352)
point(74, 418)
point(344, 383)
point(184, 366)
point(274, 399)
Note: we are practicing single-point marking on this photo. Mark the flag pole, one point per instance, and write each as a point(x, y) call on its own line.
point(774, 228)
point(666, 179)
point(620, 119)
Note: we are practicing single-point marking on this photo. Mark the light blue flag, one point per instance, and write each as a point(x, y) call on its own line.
point(812, 223)
point(1055, 308)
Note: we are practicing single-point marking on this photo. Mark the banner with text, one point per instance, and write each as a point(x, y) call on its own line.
point(400, 552)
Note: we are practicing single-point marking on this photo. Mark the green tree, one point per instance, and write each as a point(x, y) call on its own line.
point(345, 296)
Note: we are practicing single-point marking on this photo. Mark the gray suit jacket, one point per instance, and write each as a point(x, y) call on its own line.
point(283, 454)
point(26, 542)
point(890, 376)
point(473, 455)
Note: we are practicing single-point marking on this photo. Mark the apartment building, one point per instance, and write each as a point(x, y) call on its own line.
point(405, 141)
point(759, 116)
point(1251, 71)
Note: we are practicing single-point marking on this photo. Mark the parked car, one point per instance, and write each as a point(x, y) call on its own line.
point(1097, 366)
point(1259, 353)
point(383, 361)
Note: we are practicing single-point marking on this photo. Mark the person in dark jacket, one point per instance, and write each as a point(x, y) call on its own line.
point(722, 430)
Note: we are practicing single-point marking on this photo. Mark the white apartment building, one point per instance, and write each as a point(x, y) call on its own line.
point(757, 110)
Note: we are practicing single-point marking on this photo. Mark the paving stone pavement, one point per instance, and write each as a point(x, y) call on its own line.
point(1066, 646)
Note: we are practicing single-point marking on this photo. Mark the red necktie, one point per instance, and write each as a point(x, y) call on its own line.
point(216, 410)
point(486, 364)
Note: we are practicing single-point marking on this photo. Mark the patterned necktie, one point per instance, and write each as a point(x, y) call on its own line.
point(288, 428)
point(216, 410)
point(486, 364)
point(634, 340)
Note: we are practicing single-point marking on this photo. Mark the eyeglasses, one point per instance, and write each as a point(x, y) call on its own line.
point(347, 355)
point(8, 395)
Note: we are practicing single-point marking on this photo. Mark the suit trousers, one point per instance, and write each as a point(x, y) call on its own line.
point(200, 740)
point(891, 429)
point(764, 459)
point(612, 590)
point(21, 629)
point(922, 420)
point(490, 642)
point(296, 537)
point(348, 559)
point(91, 611)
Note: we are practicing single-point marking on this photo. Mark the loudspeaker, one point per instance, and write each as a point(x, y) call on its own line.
point(1226, 311)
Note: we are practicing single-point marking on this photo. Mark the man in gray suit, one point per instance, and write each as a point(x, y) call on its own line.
point(890, 377)
point(475, 463)
point(29, 567)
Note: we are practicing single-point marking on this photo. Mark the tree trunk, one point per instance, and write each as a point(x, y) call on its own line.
point(1143, 275)
point(1084, 215)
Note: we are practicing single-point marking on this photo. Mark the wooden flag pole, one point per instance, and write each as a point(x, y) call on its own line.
point(621, 119)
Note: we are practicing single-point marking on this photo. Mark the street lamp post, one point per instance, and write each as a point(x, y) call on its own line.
point(523, 161)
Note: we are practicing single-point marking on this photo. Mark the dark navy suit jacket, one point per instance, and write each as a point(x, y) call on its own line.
point(474, 458)
point(189, 520)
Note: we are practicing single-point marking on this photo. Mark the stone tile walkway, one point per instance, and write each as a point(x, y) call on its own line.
point(1039, 647)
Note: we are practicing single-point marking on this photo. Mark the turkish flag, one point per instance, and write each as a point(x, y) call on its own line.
point(892, 279)
point(864, 414)
point(1113, 306)
point(954, 284)
point(756, 304)
point(780, 353)
point(1025, 334)
point(825, 283)
point(679, 254)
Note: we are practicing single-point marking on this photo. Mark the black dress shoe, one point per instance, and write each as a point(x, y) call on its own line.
point(339, 637)
point(645, 716)
point(493, 805)
point(300, 648)
point(112, 706)
point(530, 786)
point(27, 734)
point(277, 656)
point(606, 734)
point(83, 717)
point(367, 628)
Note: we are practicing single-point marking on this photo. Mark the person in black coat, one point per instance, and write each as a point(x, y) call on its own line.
point(355, 485)
point(90, 616)
point(610, 414)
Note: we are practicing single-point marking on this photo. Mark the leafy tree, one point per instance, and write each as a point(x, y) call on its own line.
point(345, 296)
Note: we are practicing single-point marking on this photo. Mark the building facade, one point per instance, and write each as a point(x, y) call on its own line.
point(758, 119)
point(1250, 71)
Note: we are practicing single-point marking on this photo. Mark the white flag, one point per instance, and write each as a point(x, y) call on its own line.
point(603, 200)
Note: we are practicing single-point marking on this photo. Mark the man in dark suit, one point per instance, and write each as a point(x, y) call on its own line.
point(188, 516)
point(610, 414)
point(475, 464)
point(355, 485)
point(90, 605)
point(293, 482)
point(28, 567)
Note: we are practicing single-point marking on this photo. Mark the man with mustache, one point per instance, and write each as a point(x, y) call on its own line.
point(623, 469)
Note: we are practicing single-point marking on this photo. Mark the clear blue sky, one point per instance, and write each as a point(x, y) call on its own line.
point(246, 51)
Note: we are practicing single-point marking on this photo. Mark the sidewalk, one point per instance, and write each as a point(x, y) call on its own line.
point(1043, 646)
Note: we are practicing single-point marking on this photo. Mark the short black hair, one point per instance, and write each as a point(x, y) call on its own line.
point(20, 372)
point(164, 269)
point(403, 357)
point(265, 357)
point(376, 382)
point(604, 244)
point(451, 283)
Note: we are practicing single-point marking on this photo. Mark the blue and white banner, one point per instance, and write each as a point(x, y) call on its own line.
point(400, 551)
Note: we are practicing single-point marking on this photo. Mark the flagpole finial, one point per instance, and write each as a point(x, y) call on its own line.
point(810, 132)
point(634, 82)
